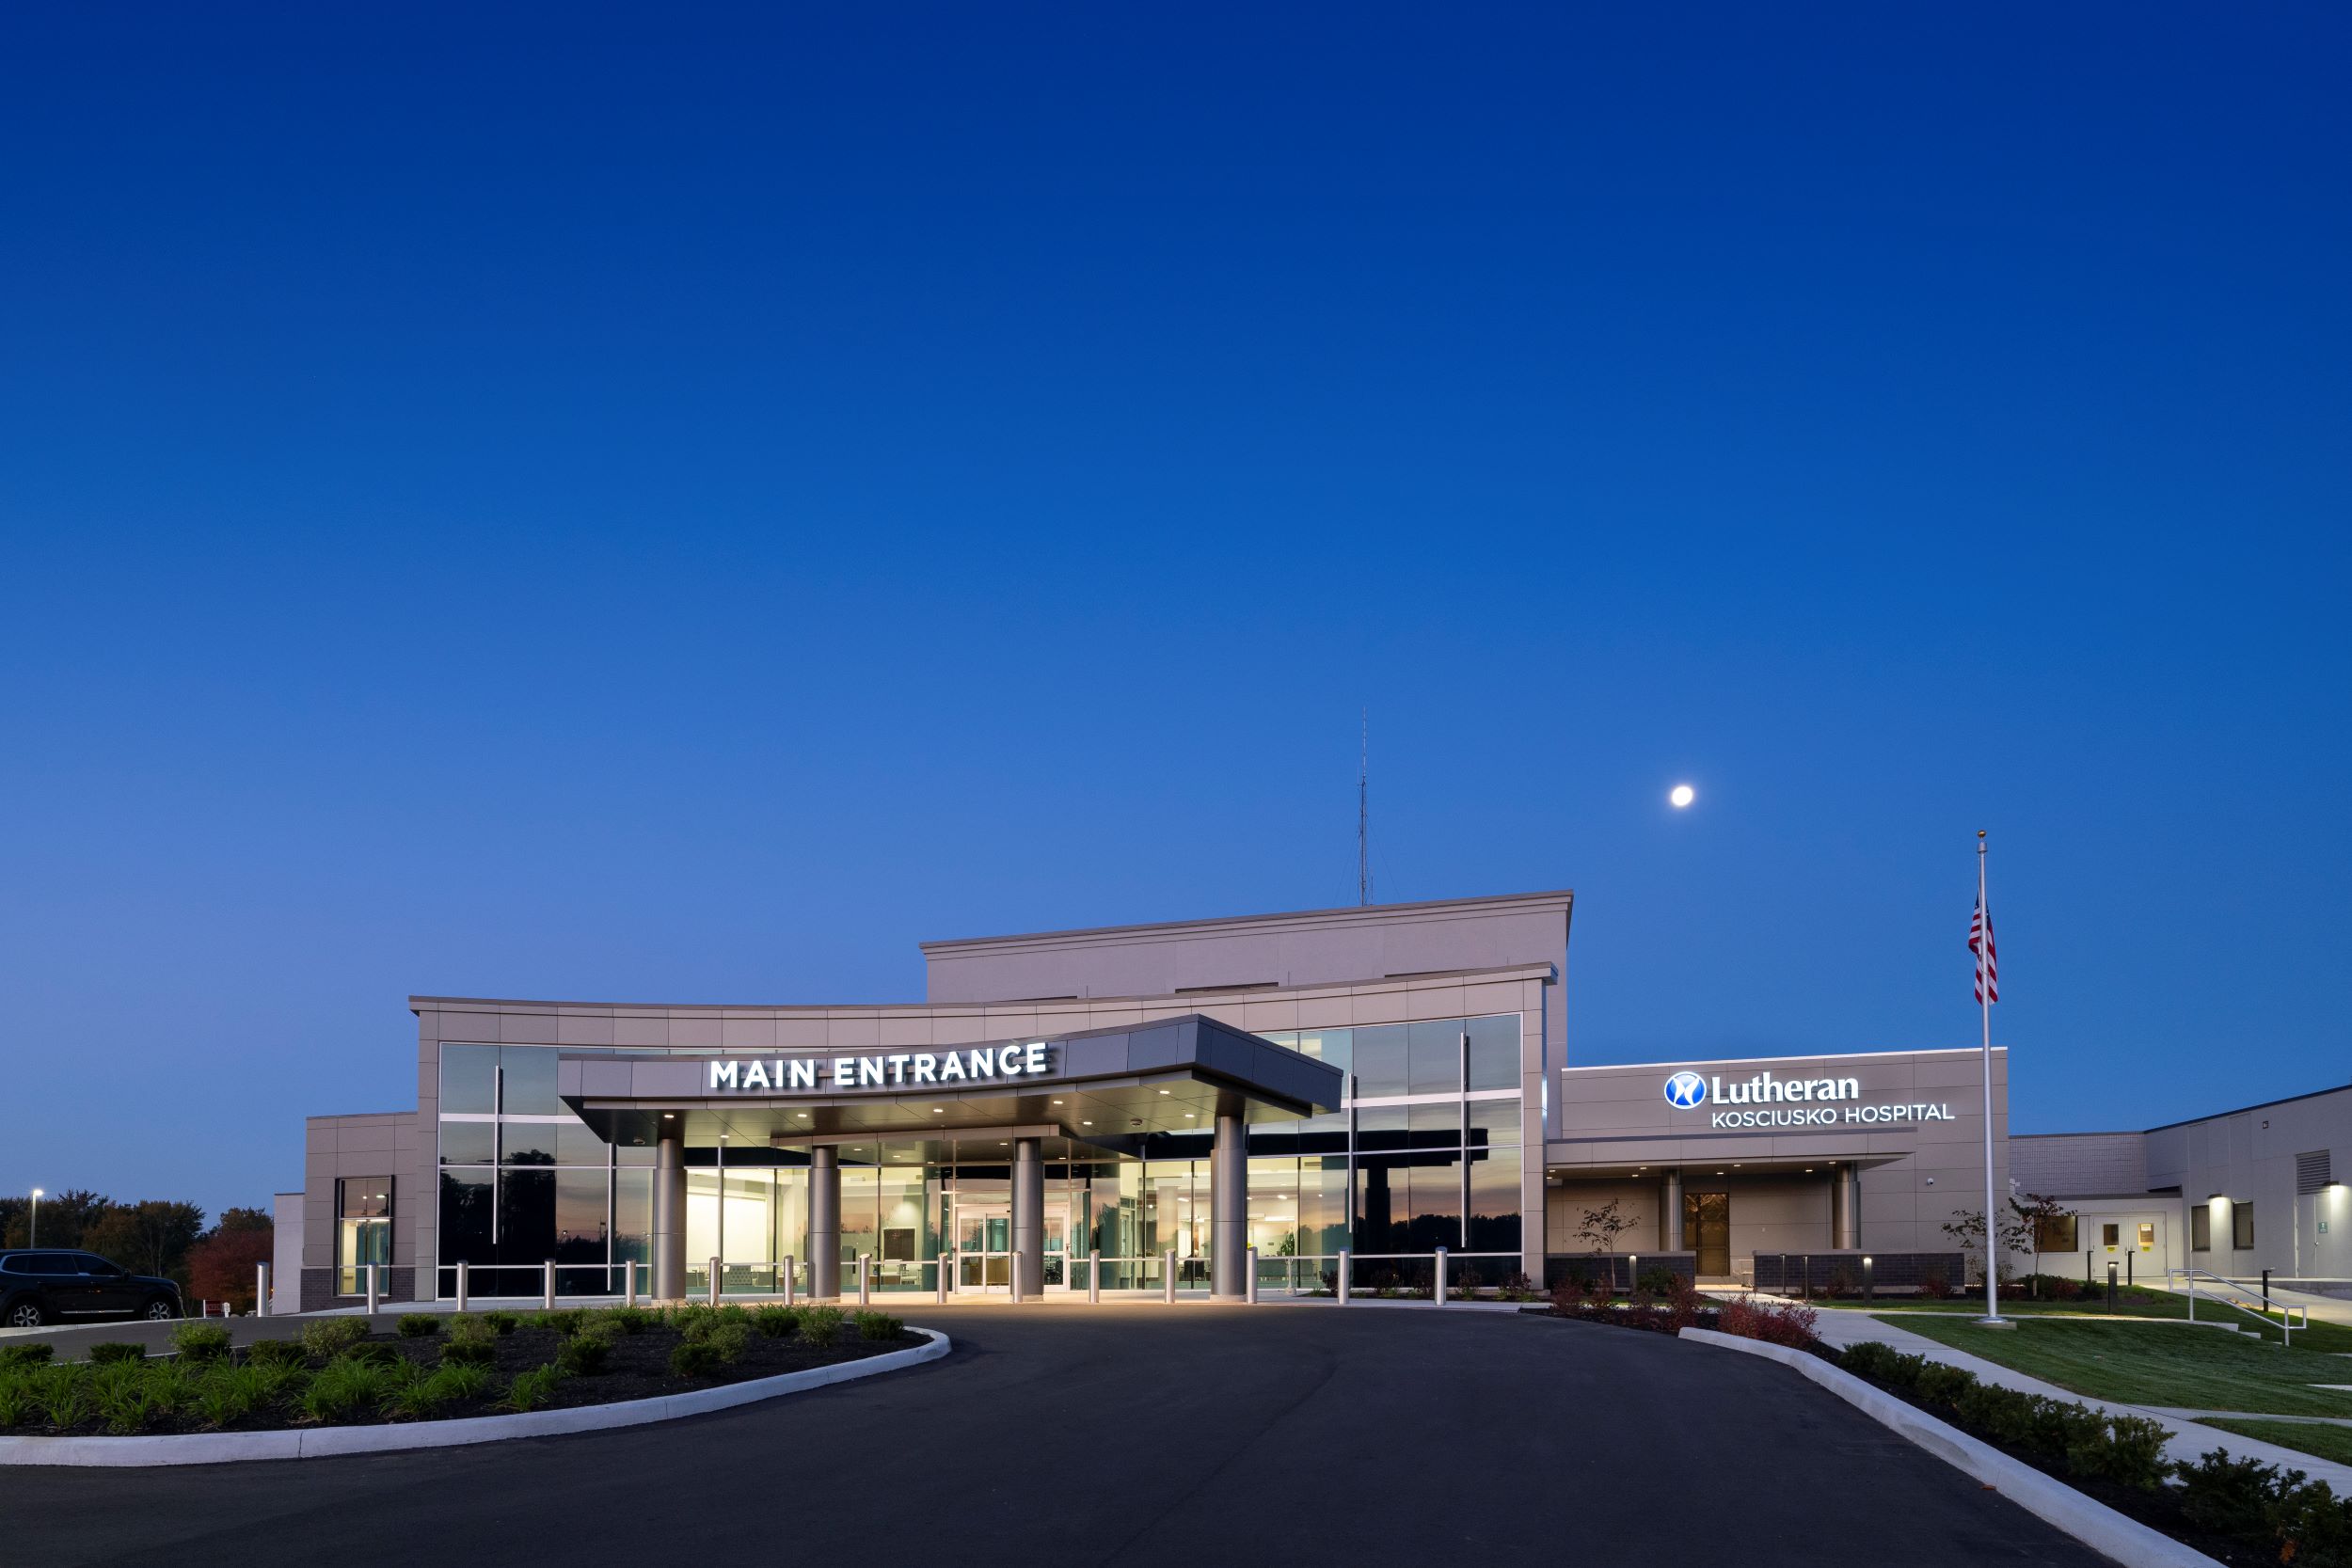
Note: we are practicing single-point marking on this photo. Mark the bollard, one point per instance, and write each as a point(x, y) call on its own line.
point(461, 1284)
point(2127, 1270)
point(1249, 1287)
point(1437, 1287)
point(1168, 1277)
point(260, 1289)
point(546, 1284)
point(1866, 1279)
point(714, 1282)
point(2265, 1290)
point(864, 1279)
point(1014, 1274)
point(939, 1281)
point(1094, 1277)
point(792, 1273)
point(375, 1291)
point(2085, 1268)
point(1342, 1279)
point(2110, 1287)
point(629, 1275)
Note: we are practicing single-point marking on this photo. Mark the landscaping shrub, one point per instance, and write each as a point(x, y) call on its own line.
point(25, 1355)
point(565, 1322)
point(622, 1319)
point(115, 1350)
point(532, 1390)
point(583, 1353)
point(418, 1399)
point(326, 1338)
point(465, 1383)
point(732, 1340)
point(1935, 1287)
point(345, 1388)
point(224, 1393)
point(419, 1325)
point(1789, 1324)
point(695, 1359)
point(62, 1393)
point(17, 1403)
point(877, 1325)
point(1682, 1304)
point(375, 1355)
point(468, 1353)
point(501, 1322)
point(200, 1341)
point(778, 1323)
point(1657, 1280)
point(125, 1396)
point(1940, 1384)
point(821, 1325)
point(274, 1353)
point(1516, 1287)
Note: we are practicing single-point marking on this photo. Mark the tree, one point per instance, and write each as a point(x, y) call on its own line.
point(244, 1219)
point(150, 1237)
point(1604, 1225)
point(2038, 1214)
point(1966, 1228)
point(221, 1266)
point(65, 1218)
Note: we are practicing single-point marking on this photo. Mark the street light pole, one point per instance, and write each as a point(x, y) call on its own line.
point(32, 1222)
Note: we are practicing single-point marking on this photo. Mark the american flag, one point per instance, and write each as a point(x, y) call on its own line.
point(1980, 943)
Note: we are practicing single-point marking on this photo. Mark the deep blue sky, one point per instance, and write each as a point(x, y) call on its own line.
point(684, 511)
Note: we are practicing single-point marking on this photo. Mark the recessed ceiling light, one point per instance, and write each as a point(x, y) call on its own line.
point(1167, 1091)
point(1192, 1115)
point(669, 1116)
point(1057, 1101)
point(1086, 1124)
point(939, 1110)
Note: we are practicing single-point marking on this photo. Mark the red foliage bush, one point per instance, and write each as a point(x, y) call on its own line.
point(1792, 1325)
point(220, 1267)
point(1934, 1285)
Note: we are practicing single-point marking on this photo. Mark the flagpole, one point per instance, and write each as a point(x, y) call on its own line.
point(1984, 1005)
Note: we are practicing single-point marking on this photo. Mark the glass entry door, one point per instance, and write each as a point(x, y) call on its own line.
point(984, 1247)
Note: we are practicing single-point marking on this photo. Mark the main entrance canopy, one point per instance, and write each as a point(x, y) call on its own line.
point(1109, 1092)
point(1106, 1088)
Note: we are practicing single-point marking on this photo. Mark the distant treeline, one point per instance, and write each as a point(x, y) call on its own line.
point(154, 1236)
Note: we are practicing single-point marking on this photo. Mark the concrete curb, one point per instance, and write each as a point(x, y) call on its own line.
point(2093, 1523)
point(227, 1447)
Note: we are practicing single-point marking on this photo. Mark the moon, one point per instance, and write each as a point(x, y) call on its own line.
point(1681, 796)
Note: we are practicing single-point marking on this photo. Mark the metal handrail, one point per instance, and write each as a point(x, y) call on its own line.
point(2285, 1321)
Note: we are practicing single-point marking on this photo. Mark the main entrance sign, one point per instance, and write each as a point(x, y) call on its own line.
point(877, 1069)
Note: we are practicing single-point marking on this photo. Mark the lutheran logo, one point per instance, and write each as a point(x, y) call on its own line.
point(1685, 1091)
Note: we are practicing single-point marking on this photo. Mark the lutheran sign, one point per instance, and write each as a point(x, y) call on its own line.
point(883, 1070)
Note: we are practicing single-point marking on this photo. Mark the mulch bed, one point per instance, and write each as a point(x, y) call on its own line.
point(637, 1369)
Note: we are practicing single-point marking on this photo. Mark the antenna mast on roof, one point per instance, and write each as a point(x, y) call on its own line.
point(1363, 812)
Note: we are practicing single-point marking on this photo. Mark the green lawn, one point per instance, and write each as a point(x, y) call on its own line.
point(2319, 1336)
point(2333, 1443)
point(2149, 1363)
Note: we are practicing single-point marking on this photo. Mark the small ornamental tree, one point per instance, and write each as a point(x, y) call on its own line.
point(2038, 1214)
point(1966, 1230)
point(1601, 1228)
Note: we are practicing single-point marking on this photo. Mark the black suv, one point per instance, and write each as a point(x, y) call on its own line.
point(51, 1285)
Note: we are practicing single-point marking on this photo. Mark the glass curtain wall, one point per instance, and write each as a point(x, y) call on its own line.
point(1424, 1153)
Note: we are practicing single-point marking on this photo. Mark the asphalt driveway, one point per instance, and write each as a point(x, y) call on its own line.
point(1130, 1434)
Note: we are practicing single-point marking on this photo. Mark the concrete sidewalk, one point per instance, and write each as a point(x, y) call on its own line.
point(2189, 1438)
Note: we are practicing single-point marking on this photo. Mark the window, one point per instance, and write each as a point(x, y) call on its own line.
point(2110, 1235)
point(1494, 1051)
point(2242, 1225)
point(2147, 1237)
point(364, 1229)
point(2054, 1233)
point(2201, 1228)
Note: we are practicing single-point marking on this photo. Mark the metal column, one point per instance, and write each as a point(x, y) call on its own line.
point(669, 1219)
point(1670, 1210)
point(1229, 1209)
point(824, 1223)
point(1843, 1218)
point(1028, 1219)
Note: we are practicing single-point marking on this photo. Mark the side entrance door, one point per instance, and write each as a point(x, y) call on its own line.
point(1707, 1230)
